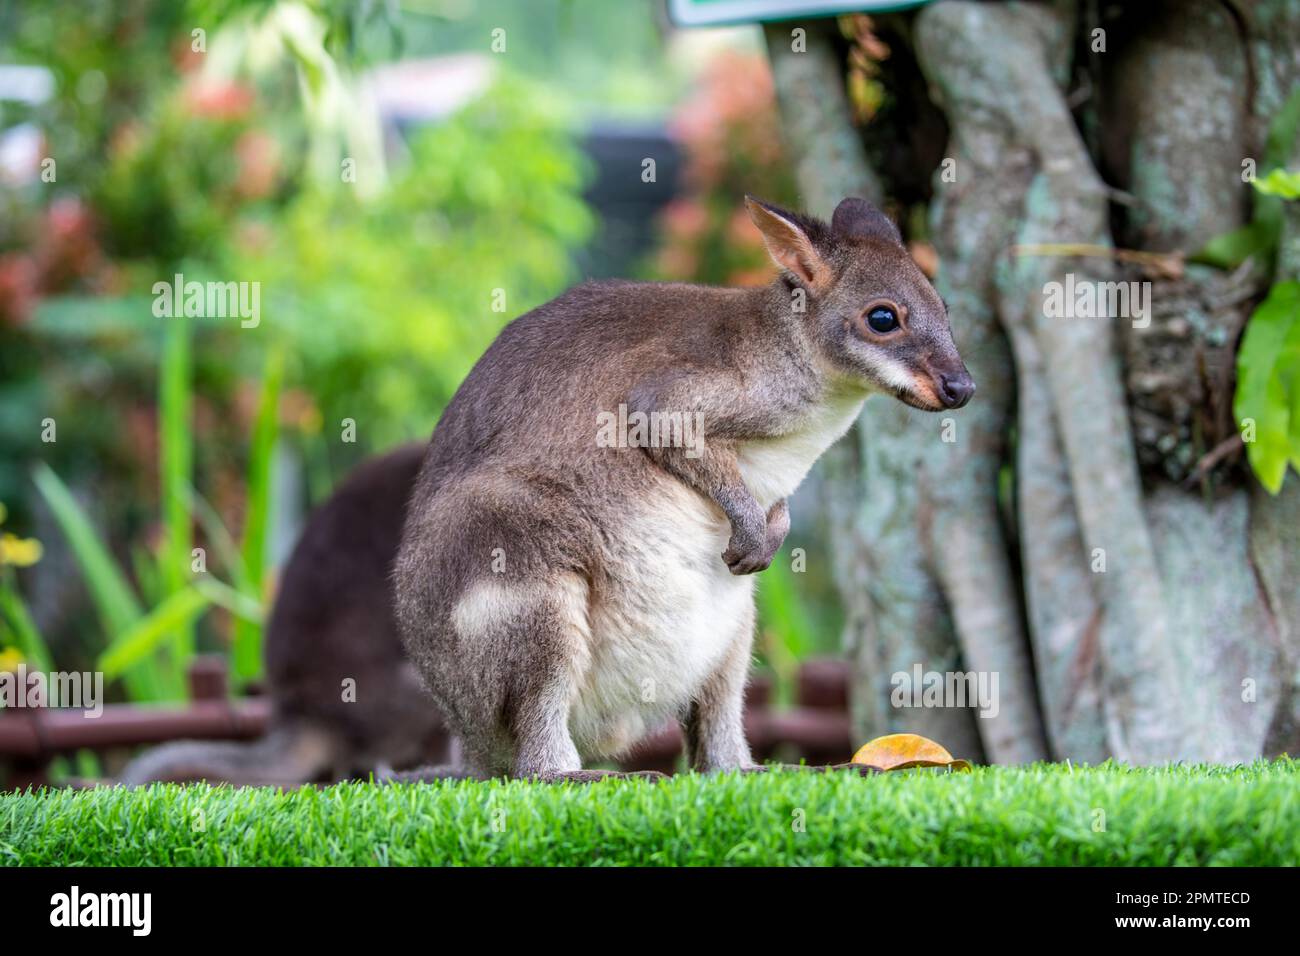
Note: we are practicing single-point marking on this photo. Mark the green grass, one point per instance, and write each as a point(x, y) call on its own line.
point(1041, 815)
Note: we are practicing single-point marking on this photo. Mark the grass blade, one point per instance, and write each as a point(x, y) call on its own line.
point(248, 635)
point(114, 600)
point(27, 638)
point(241, 605)
point(175, 406)
point(115, 603)
point(223, 544)
point(138, 644)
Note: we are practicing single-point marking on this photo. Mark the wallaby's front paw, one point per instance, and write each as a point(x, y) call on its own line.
point(751, 550)
point(746, 555)
point(778, 524)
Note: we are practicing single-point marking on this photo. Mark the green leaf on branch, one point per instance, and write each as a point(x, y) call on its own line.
point(1230, 249)
point(1260, 237)
point(1268, 385)
point(1280, 182)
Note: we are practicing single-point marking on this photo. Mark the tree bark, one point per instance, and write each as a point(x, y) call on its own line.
point(923, 558)
point(1130, 617)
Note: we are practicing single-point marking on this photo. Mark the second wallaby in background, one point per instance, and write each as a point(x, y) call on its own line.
point(575, 565)
point(345, 701)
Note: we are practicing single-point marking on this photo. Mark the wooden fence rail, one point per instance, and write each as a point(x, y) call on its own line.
point(816, 729)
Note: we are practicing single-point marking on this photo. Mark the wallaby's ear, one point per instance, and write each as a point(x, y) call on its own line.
point(857, 217)
point(789, 241)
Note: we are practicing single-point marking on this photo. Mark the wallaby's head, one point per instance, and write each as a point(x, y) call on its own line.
point(873, 314)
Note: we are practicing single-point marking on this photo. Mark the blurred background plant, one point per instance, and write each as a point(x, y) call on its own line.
point(386, 180)
point(732, 142)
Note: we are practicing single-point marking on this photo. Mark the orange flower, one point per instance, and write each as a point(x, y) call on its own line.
point(750, 277)
point(742, 232)
point(259, 161)
point(217, 99)
point(677, 262)
point(685, 220)
point(18, 278)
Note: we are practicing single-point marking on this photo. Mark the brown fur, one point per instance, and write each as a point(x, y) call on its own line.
point(543, 578)
point(332, 620)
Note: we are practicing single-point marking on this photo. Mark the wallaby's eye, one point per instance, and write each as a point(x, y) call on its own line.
point(882, 319)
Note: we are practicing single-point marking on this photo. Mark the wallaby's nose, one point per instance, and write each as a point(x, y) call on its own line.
point(956, 390)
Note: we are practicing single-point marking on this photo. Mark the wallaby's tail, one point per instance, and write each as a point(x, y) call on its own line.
point(288, 756)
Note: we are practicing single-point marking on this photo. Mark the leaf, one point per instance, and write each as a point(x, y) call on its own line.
point(116, 604)
point(903, 751)
point(139, 642)
point(1230, 249)
point(1268, 384)
point(1280, 182)
point(27, 638)
point(1261, 235)
point(175, 401)
point(226, 551)
point(248, 635)
point(786, 621)
point(114, 600)
point(237, 603)
point(1293, 439)
point(1282, 132)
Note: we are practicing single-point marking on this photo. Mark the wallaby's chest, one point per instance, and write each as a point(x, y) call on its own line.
point(774, 467)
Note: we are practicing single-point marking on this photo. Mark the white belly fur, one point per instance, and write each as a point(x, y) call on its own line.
point(672, 612)
point(774, 467)
point(674, 608)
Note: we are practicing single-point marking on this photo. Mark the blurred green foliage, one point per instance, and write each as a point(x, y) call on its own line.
point(374, 302)
point(598, 55)
point(731, 136)
point(223, 156)
point(385, 306)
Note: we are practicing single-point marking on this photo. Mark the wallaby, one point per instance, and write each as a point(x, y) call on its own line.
point(569, 575)
point(331, 622)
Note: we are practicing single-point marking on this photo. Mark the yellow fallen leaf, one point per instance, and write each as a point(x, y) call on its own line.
point(901, 751)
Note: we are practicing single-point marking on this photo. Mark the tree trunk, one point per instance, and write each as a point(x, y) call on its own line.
point(1130, 616)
